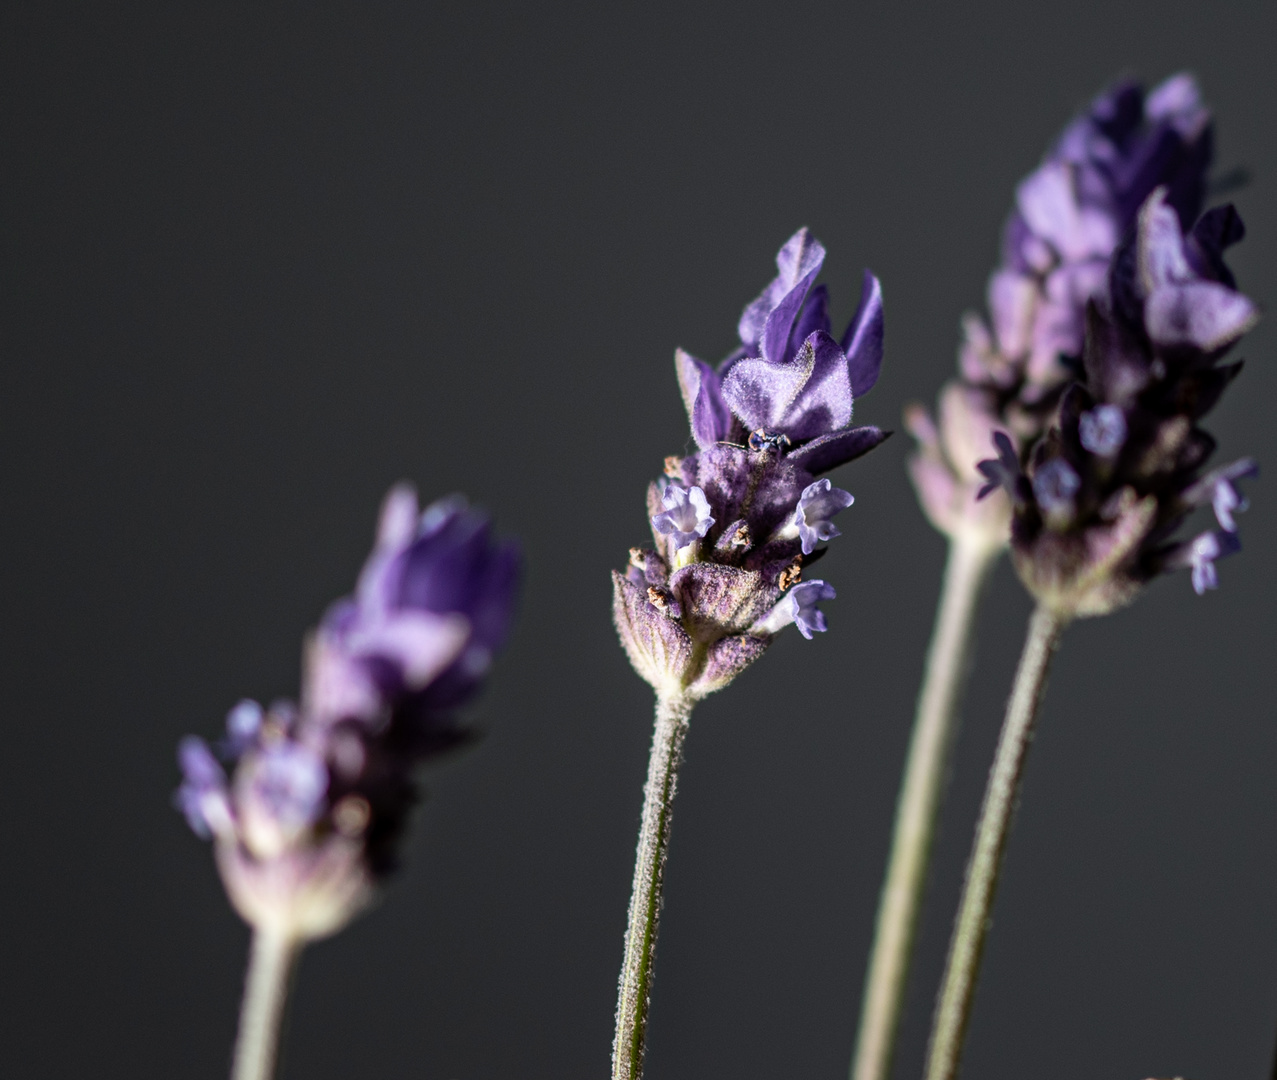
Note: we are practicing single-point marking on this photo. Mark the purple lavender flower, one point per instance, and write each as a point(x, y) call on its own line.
point(686, 517)
point(1118, 475)
point(305, 825)
point(1219, 488)
point(817, 505)
point(790, 377)
point(799, 607)
point(1069, 216)
point(733, 528)
point(1200, 555)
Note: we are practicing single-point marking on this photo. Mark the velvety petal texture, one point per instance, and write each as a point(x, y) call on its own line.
point(733, 523)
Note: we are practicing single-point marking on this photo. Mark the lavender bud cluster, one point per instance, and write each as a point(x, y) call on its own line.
point(1069, 216)
point(1108, 486)
point(305, 802)
point(735, 523)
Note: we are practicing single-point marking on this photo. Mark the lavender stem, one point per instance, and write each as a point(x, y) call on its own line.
point(957, 993)
point(672, 714)
point(265, 992)
point(970, 560)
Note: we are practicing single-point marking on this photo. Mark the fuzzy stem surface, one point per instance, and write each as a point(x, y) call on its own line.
point(967, 570)
point(672, 715)
point(957, 992)
point(270, 967)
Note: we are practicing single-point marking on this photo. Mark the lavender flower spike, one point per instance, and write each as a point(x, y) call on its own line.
point(304, 826)
point(731, 526)
point(1015, 362)
point(1068, 217)
point(1111, 480)
point(1094, 526)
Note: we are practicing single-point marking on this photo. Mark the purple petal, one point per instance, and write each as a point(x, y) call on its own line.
point(814, 316)
point(1050, 206)
point(864, 337)
point(710, 417)
point(1200, 313)
point(1160, 246)
point(759, 391)
point(824, 403)
point(830, 451)
point(799, 262)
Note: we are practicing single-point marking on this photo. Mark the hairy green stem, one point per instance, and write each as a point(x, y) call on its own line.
point(957, 992)
point(635, 990)
point(270, 969)
point(970, 560)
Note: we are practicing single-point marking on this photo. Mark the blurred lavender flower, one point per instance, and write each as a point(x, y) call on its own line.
point(741, 514)
point(305, 823)
point(1109, 486)
point(1069, 216)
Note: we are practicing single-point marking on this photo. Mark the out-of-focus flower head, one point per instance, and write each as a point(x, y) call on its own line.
point(1106, 489)
point(305, 804)
point(1069, 216)
point(733, 523)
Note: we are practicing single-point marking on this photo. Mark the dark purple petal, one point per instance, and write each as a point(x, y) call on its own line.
point(799, 262)
point(829, 451)
point(814, 316)
point(1004, 470)
point(863, 339)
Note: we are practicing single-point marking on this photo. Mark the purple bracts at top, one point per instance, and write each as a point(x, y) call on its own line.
point(306, 821)
point(1107, 487)
point(733, 528)
point(1069, 216)
point(790, 377)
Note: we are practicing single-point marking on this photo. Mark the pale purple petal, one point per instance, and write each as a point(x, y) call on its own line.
point(421, 643)
point(1200, 554)
point(1201, 313)
point(1102, 430)
point(814, 514)
point(1219, 488)
point(1049, 204)
point(804, 598)
point(1055, 484)
point(686, 516)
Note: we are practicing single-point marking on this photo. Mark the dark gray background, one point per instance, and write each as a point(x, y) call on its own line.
point(263, 260)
